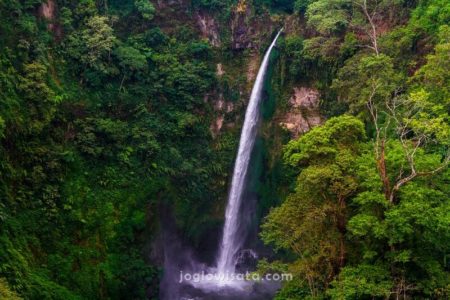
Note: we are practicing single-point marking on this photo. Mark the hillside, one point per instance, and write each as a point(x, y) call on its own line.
point(120, 123)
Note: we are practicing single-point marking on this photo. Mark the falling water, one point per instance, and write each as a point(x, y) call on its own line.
point(231, 242)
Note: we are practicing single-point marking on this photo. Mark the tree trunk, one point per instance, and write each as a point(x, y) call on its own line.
point(381, 165)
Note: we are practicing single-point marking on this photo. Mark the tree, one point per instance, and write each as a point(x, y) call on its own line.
point(312, 221)
point(40, 99)
point(434, 75)
point(93, 44)
point(361, 282)
point(403, 239)
point(366, 80)
point(131, 60)
point(328, 17)
point(210, 4)
point(416, 126)
point(6, 292)
point(301, 5)
point(360, 16)
point(145, 8)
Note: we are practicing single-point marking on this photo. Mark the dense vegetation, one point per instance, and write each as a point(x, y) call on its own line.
point(368, 215)
point(104, 122)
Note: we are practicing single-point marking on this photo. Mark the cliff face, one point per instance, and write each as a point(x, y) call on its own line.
point(248, 29)
point(243, 36)
point(241, 32)
point(48, 11)
point(221, 108)
point(303, 113)
point(208, 27)
point(238, 41)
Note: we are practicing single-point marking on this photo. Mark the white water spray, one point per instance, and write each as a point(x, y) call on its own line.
point(231, 242)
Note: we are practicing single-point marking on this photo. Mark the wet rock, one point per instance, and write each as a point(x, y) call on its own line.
point(247, 260)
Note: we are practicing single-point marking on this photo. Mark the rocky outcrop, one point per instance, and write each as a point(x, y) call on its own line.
point(252, 68)
point(48, 11)
point(241, 32)
point(219, 70)
point(221, 108)
point(304, 111)
point(208, 28)
point(249, 30)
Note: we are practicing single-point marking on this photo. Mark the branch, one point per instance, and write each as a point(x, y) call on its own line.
point(415, 174)
point(403, 130)
point(370, 17)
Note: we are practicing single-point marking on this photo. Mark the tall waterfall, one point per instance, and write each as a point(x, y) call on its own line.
point(231, 242)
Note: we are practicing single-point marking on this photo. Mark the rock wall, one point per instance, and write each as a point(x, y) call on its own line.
point(48, 10)
point(221, 107)
point(208, 28)
point(304, 112)
point(248, 29)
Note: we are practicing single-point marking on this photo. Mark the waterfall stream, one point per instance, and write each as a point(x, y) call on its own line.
point(231, 241)
point(221, 282)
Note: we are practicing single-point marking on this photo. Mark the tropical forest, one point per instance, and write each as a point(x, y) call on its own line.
point(224, 149)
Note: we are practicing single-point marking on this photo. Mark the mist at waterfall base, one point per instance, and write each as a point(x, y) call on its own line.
point(235, 254)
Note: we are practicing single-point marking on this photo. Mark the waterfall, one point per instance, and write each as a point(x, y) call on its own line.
point(231, 242)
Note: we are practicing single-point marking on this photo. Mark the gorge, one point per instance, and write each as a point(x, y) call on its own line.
point(163, 149)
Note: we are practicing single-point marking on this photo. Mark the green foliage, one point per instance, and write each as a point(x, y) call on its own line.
point(93, 43)
point(339, 187)
point(328, 16)
point(430, 15)
point(366, 78)
point(145, 8)
point(434, 75)
point(39, 97)
point(279, 5)
point(293, 290)
point(301, 5)
point(293, 47)
point(103, 118)
point(98, 126)
point(211, 4)
point(6, 292)
point(131, 58)
point(302, 223)
point(368, 217)
point(361, 282)
point(320, 144)
point(365, 217)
